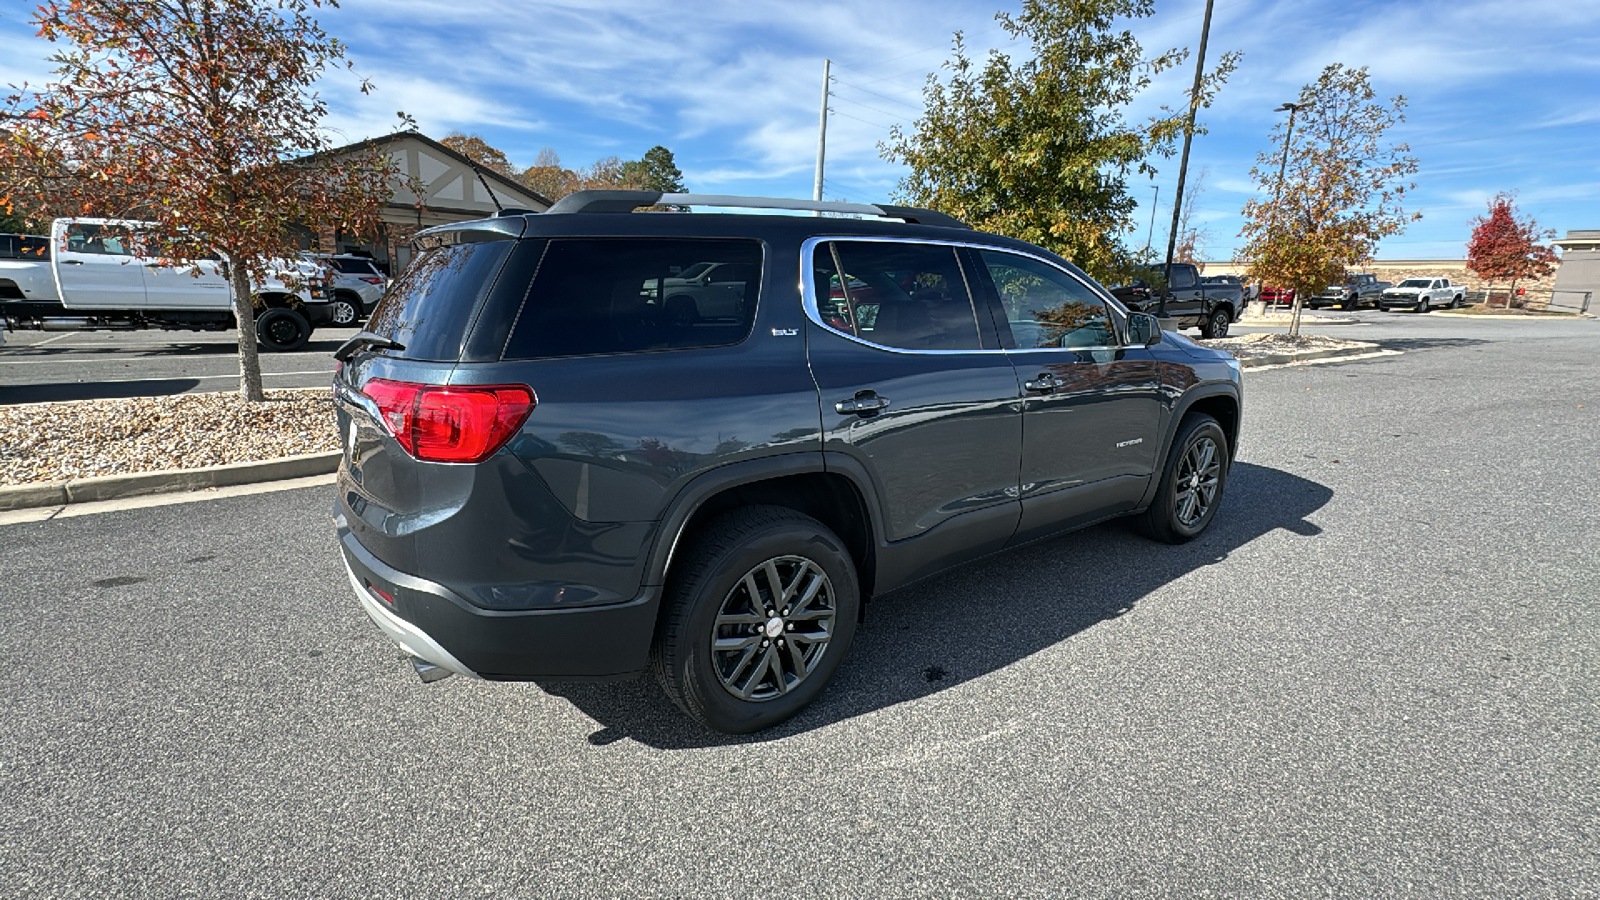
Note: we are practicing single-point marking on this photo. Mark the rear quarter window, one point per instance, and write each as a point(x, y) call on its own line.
point(626, 295)
point(432, 304)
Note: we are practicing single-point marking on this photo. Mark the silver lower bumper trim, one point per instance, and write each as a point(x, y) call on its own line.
point(407, 636)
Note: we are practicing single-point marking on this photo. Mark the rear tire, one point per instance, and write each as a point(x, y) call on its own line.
point(1192, 483)
point(1216, 324)
point(345, 310)
point(756, 620)
point(282, 329)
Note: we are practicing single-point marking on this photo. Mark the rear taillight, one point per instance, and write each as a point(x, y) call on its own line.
point(450, 424)
point(372, 279)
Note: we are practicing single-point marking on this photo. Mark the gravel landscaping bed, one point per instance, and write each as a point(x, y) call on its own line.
point(1247, 346)
point(1305, 319)
point(59, 441)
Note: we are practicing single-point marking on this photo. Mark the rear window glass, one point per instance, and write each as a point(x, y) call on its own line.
point(623, 295)
point(353, 266)
point(431, 305)
point(18, 246)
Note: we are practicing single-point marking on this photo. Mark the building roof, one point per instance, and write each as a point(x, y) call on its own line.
point(528, 198)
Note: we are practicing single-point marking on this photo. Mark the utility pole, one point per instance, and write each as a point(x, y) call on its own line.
point(1183, 165)
point(1150, 235)
point(822, 133)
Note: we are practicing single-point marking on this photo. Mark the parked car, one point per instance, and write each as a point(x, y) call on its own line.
point(1278, 296)
point(1357, 289)
point(1194, 303)
point(355, 284)
point(107, 273)
point(551, 471)
point(1422, 294)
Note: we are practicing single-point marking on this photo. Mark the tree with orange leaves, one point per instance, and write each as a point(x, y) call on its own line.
point(1506, 248)
point(200, 116)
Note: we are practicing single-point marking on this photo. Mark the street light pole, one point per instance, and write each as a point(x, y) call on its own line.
point(1277, 195)
point(1183, 165)
point(1150, 235)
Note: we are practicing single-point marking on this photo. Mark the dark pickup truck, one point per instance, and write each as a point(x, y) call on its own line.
point(1210, 307)
point(1356, 290)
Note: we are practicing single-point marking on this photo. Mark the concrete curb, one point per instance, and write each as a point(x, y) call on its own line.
point(1571, 317)
point(113, 487)
point(1307, 321)
point(1278, 359)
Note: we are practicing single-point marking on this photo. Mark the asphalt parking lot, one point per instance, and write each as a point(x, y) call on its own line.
point(1378, 674)
point(37, 366)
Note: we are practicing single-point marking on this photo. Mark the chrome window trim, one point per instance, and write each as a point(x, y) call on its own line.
point(808, 292)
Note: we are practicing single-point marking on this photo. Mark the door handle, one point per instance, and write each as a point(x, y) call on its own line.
point(864, 403)
point(1044, 384)
point(72, 262)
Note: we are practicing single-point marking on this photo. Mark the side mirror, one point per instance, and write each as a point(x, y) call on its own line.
point(1143, 329)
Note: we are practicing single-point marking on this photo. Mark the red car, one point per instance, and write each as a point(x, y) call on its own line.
point(1277, 296)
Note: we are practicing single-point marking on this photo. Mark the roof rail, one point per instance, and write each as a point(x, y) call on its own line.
point(628, 201)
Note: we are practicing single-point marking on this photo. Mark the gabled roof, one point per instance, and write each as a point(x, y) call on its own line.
point(509, 184)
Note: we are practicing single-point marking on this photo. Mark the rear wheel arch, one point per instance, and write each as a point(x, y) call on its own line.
point(802, 484)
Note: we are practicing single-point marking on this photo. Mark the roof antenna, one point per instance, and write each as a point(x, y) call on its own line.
point(485, 182)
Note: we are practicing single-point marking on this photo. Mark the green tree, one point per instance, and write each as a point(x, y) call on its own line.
point(658, 171)
point(1038, 148)
point(200, 116)
point(1342, 191)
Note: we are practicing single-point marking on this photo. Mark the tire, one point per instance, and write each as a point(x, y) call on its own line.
point(282, 329)
point(761, 676)
point(1455, 302)
point(345, 311)
point(1352, 302)
point(1170, 519)
point(1215, 325)
point(1422, 305)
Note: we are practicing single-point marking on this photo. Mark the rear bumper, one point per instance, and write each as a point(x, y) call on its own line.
point(434, 624)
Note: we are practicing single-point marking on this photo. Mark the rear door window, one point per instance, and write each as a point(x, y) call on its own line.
point(430, 307)
point(626, 295)
point(904, 295)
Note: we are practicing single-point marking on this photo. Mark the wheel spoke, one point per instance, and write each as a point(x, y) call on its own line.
point(729, 644)
point(775, 665)
point(740, 619)
point(797, 658)
point(809, 595)
point(774, 582)
point(744, 660)
point(753, 590)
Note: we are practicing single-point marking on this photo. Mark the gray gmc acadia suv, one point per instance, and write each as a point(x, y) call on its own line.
point(561, 463)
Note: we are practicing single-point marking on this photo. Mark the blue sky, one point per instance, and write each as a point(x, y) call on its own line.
point(1502, 93)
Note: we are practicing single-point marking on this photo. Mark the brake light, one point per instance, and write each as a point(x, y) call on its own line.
point(451, 424)
point(372, 279)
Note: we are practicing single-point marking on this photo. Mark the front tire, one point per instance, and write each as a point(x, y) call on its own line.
point(282, 329)
point(757, 619)
point(1216, 324)
point(1422, 305)
point(1191, 482)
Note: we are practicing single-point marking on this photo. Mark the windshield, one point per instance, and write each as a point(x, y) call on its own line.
point(1416, 282)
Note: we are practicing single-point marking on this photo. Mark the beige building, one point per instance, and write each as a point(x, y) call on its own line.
point(1580, 269)
point(453, 189)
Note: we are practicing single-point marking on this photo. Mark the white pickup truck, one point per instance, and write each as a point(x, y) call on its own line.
point(94, 274)
point(1422, 294)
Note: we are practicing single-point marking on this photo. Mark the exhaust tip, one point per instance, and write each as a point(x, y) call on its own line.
point(428, 672)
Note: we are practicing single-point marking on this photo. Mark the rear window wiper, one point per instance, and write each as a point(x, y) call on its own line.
point(364, 339)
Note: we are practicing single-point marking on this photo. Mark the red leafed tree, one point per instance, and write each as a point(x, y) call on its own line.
point(200, 116)
point(1505, 248)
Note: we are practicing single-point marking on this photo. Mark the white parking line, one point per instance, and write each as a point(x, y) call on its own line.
point(125, 360)
point(327, 374)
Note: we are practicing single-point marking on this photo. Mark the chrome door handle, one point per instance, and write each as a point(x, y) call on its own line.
point(865, 403)
point(1043, 384)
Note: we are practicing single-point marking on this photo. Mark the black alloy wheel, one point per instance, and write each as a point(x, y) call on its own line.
point(1191, 482)
point(282, 329)
point(758, 616)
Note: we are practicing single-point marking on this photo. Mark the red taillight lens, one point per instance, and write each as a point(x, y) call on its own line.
point(372, 279)
point(451, 424)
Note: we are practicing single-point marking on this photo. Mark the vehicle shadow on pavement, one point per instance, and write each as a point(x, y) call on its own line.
point(1423, 343)
point(95, 390)
point(974, 620)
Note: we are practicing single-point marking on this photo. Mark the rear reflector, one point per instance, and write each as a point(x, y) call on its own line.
point(451, 424)
point(382, 594)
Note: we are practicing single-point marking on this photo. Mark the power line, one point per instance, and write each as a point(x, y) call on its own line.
point(875, 109)
point(855, 87)
point(864, 121)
